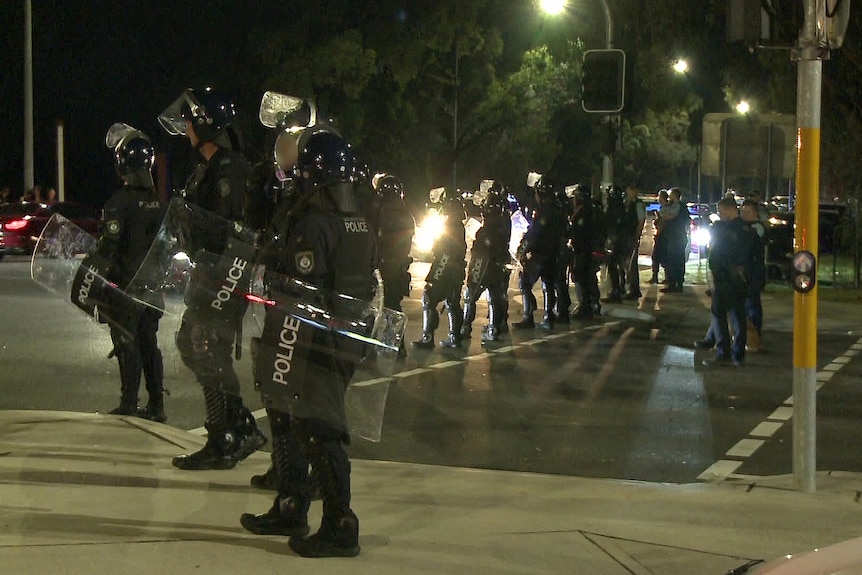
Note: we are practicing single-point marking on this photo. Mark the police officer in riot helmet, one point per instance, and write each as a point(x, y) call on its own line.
point(130, 221)
point(538, 255)
point(445, 278)
point(585, 239)
point(618, 243)
point(218, 185)
point(394, 230)
point(488, 270)
point(329, 246)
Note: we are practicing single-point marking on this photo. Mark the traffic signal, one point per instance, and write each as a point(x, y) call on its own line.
point(803, 271)
point(603, 81)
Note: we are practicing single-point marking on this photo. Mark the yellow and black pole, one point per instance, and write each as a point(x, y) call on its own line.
point(804, 265)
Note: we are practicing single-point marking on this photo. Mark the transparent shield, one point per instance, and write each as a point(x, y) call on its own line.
point(64, 262)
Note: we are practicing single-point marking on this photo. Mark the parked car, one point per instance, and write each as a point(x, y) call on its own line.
point(22, 223)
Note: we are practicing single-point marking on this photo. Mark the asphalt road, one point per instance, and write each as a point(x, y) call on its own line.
point(621, 397)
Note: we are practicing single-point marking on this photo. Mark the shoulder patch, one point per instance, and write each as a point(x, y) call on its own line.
point(224, 187)
point(304, 262)
point(113, 227)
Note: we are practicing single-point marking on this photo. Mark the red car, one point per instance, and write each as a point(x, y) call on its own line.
point(22, 223)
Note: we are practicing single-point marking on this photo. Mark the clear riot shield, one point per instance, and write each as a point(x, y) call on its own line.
point(310, 350)
point(202, 255)
point(64, 262)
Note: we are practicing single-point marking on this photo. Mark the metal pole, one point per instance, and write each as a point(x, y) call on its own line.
point(610, 120)
point(809, 81)
point(29, 178)
point(455, 125)
point(61, 163)
point(766, 192)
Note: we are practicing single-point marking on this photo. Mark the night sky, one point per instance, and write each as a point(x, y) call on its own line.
point(104, 61)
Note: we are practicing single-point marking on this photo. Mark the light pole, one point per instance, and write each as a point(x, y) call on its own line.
point(554, 7)
point(29, 178)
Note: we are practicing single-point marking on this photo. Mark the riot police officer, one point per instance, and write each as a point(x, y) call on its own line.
point(130, 221)
point(445, 278)
point(394, 229)
point(205, 343)
point(538, 255)
point(619, 240)
point(487, 270)
point(586, 238)
point(329, 246)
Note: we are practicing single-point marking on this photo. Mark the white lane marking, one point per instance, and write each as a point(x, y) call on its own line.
point(532, 341)
point(765, 429)
point(783, 413)
point(506, 349)
point(719, 470)
point(745, 448)
point(478, 356)
point(445, 364)
point(411, 372)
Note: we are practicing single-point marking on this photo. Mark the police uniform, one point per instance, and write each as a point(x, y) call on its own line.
point(130, 222)
point(538, 255)
point(487, 270)
point(207, 335)
point(444, 279)
point(305, 372)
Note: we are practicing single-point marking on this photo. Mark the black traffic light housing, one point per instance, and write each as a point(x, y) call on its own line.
point(803, 271)
point(603, 81)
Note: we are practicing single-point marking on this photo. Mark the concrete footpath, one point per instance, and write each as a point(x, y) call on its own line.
point(86, 493)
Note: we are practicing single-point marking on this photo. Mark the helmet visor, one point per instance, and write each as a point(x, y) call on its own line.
point(116, 134)
point(288, 112)
point(174, 118)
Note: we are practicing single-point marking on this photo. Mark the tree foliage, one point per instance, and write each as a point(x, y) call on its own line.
point(489, 89)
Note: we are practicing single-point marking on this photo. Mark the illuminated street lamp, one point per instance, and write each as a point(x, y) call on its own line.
point(552, 7)
point(680, 66)
point(743, 107)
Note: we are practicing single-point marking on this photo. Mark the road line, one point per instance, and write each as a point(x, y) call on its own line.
point(532, 342)
point(745, 448)
point(783, 413)
point(417, 371)
point(445, 364)
point(719, 470)
point(506, 349)
point(765, 429)
point(478, 356)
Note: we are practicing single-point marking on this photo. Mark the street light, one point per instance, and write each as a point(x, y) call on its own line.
point(743, 107)
point(680, 66)
point(553, 7)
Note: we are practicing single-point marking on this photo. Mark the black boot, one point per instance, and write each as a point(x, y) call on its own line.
point(222, 451)
point(130, 377)
point(490, 333)
point(335, 538)
point(454, 339)
point(242, 421)
point(287, 516)
point(267, 481)
point(126, 407)
point(430, 320)
point(154, 375)
point(338, 535)
point(155, 410)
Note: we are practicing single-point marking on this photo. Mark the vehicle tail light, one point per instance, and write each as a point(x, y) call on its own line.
point(15, 225)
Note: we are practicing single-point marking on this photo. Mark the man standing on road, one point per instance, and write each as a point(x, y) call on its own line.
point(729, 257)
point(757, 276)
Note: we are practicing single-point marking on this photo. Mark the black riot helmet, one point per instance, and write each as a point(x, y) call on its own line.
point(324, 159)
point(134, 154)
point(209, 112)
point(390, 187)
